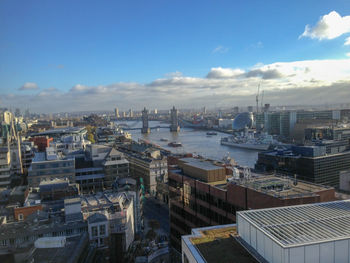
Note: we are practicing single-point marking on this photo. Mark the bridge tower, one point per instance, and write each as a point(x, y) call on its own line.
point(174, 126)
point(145, 128)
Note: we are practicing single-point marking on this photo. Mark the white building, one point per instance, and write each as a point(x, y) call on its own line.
point(305, 233)
point(317, 232)
point(225, 123)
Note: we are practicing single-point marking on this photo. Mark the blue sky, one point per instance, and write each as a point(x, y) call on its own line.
point(53, 46)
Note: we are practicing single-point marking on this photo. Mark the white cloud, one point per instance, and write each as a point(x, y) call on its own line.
point(224, 72)
point(347, 41)
point(348, 54)
point(329, 26)
point(284, 83)
point(29, 86)
point(220, 49)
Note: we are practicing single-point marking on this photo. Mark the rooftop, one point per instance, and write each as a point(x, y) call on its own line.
point(61, 131)
point(69, 253)
point(303, 224)
point(278, 186)
point(201, 164)
point(218, 244)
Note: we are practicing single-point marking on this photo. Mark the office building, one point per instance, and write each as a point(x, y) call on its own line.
point(115, 166)
point(201, 193)
point(147, 163)
point(48, 165)
point(316, 164)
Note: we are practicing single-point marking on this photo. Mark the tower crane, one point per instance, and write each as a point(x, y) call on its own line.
point(257, 99)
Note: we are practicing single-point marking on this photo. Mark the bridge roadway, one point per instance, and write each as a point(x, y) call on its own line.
point(152, 128)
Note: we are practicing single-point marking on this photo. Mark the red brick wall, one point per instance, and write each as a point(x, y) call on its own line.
point(257, 200)
point(42, 142)
point(26, 211)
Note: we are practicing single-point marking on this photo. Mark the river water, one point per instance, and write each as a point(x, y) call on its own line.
point(194, 141)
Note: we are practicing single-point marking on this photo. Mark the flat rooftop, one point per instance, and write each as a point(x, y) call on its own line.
point(61, 131)
point(69, 253)
point(303, 224)
point(279, 186)
point(201, 164)
point(218, 244)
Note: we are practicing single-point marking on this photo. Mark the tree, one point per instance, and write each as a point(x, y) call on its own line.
point(154, 224)
point(91, 138)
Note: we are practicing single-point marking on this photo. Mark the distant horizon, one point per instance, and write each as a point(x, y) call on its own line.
point(337, 106)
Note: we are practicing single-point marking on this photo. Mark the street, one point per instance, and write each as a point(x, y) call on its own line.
point(154, 209)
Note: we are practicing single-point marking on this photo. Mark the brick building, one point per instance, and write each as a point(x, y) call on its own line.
point(201, 194)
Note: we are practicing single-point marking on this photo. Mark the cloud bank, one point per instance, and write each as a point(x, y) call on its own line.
point(284, 83)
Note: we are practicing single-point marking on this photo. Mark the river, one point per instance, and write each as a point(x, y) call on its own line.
point(194, 141)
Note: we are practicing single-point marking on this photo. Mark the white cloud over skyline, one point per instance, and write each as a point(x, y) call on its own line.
point(329, 26)
point(29, 86)
point(284, 83)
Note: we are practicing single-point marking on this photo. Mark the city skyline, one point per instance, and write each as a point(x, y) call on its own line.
point(160, 54)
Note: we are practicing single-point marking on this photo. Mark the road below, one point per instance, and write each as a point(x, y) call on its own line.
point(154, 209)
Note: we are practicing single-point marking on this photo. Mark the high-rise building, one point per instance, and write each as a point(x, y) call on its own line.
point(131, 114)
point(116, 112)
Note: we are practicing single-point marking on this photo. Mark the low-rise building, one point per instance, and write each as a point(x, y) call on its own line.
point(111, 221)
point(147, 163)
point(115, 166)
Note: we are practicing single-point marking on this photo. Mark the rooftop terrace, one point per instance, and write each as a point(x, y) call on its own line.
point(282, 187)
point(218, 244)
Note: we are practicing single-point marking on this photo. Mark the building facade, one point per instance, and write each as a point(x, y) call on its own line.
point(47, 166)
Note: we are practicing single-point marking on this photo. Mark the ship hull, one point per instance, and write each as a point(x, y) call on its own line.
point(257, 147)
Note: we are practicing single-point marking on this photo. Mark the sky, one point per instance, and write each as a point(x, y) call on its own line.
point(63, 55)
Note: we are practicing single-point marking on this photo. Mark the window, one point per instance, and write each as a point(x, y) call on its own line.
point(101, 242)
point(102, 230)
point(94, 231)
point(20, 217)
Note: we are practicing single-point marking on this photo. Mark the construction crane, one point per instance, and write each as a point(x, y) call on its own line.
point(262, 101)
point(257, 99)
